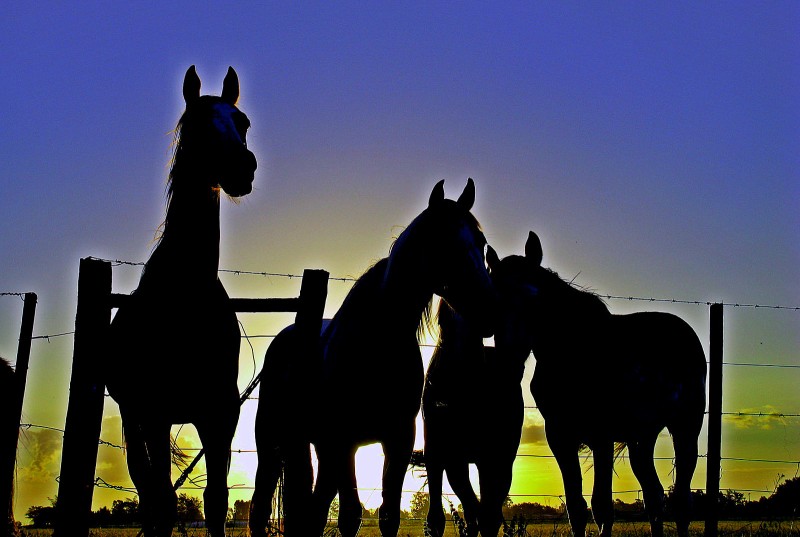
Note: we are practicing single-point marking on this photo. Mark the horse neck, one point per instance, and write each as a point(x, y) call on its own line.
point(191, 231)
point(407, 287)
point(458, 338)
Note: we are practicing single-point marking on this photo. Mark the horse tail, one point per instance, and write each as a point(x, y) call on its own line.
point(282, 411)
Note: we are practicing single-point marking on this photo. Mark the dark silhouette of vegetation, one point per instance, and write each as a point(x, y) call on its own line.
point(122, 513)
point(783, 504)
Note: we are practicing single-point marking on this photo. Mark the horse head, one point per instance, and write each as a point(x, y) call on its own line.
point(460, 275)
point(517, 280)
point(214, 130)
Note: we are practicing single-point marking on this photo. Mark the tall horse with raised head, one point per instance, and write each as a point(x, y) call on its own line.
point(174, 351)
point(472, 409)
point(365, 386)
point(602, 379)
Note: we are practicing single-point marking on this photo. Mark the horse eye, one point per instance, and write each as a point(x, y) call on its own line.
point(242, 124)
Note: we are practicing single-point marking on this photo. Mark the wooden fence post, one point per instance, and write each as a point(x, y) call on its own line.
point(298, 481)
point(86, 394)
point(714, 457)
point(9, 430)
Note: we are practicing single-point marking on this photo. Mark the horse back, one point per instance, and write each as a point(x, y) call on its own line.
point(662, 343)
point(629, 373)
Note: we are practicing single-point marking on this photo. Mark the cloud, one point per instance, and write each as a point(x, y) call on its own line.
point(111, 464)
point(762, 418)
point(533, 429)
point(39, 455)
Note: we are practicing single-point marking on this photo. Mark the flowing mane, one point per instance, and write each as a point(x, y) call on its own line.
point(573, 296)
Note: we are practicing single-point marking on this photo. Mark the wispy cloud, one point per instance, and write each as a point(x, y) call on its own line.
point(111, 464)
point(765, 417)
point(533, 429)
point(39, 455)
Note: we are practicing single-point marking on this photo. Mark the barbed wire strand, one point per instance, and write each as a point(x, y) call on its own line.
point(240, 272)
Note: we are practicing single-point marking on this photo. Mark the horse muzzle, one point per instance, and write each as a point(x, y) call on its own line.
point(238, 177)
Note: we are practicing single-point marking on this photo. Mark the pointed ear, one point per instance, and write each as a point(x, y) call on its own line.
point(191, 85)
point(230, 87)
point(533, 248)
point(492, 258)
point(437, 194)
point(467, 198)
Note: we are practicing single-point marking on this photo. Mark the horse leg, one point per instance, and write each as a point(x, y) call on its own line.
point(602, 505)
point(644, 469)
point(685, 445)
point(268, 472)
point(146, 453)
point(458, 477)
point(397, 454)
point(495, 482)
point(566, 455)
point(343, 479)
point(164, 506)
point(139, 470)
point(298, 487)
point(216, 440)
point(435, 517)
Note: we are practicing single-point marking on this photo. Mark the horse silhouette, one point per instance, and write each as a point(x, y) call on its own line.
point(178, 332)
point(602, 379)
point(365, 385)
point(472, 410)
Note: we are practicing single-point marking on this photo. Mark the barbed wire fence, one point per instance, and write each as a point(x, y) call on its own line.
point(786, 468)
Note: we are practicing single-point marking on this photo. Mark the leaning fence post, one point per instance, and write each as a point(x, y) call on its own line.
point(714, 458)
point(9, 428)
point(86, 394)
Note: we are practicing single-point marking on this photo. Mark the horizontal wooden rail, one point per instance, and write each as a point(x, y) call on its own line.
point(245, 305)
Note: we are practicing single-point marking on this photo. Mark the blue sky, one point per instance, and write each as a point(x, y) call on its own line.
point(652, 146)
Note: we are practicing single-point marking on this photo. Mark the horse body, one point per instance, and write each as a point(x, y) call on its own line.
point(365, 386)
point(178, 330)
point(470, 393)
point(603, 379)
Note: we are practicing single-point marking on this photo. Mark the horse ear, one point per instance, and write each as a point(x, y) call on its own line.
point(467, 198)
point(492, 259)
point(230, 87)
point(533, 248)
point(437, 194)
point(191, 85)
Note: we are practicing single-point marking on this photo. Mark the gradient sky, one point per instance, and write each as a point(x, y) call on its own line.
point(652, 146)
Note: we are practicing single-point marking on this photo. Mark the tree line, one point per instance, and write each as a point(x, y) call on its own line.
point(783, 503)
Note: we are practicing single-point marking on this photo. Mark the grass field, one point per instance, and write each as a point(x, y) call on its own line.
point(414, 529)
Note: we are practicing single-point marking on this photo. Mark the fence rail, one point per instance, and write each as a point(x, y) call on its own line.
point(290, 304)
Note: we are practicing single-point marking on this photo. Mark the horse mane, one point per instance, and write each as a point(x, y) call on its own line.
point(176, 166)
point(427, 319)
point(572, 296)
point(370, 280)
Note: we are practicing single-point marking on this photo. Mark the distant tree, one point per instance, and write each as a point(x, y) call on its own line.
point(785, 501)
point(100, 518)
point(333, 512)
point(190, 509)
point(241, 510)
point(125, 512)
point(532, 511)
point(42, 516)
point(419, 504)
